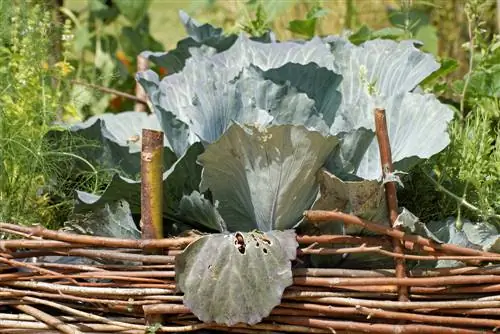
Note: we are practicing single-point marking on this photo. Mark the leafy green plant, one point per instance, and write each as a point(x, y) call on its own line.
point(251, 128)
point(258, 26)
point(467, 174)
point(32, 98)
point(307, 26)
point(108, 37)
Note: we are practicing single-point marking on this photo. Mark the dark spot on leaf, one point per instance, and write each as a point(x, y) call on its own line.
point(264, 250)
point(266, 240)
point(240, 243)
point(257, 244)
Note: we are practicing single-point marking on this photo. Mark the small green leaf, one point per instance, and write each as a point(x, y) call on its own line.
point(303, 27)
point(427, 34)
point(133, 10)
point(448, 65)
point(99, 9)
point(238, 277)
point(362, 35)
point(388, 33)
point(366, 34)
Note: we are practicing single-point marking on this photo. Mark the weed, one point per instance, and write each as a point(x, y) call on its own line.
point(35, 96)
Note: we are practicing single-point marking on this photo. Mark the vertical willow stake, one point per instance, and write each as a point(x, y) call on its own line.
point(390, 193)
point(152, 196)
point(152, 185)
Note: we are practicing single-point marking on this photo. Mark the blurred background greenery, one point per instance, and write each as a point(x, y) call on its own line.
point(110, 37)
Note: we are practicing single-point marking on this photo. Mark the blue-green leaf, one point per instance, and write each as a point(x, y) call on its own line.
point(264, 179)
point(238, 277)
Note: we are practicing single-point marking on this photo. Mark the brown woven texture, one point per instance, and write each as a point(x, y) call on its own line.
point(43, 297)
point(127, 286)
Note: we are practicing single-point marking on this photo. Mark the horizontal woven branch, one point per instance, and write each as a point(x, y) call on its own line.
point(37, 296)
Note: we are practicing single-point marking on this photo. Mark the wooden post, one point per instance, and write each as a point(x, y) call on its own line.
point(152, 196)
point(390, 193)
point(152, 184)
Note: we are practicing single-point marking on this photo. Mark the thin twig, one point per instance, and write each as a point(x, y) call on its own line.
point(87, 315)
point(47, 319)
point(321, 215)
point(110, 91)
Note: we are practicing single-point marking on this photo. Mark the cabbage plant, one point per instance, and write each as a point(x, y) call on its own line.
point(253, 127)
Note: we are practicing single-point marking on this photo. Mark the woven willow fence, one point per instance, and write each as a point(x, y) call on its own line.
point(128, 286)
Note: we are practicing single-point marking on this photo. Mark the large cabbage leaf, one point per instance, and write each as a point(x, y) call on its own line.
point(238, 277)
point(475, 235)
point(216, 103)
point(204, 39)
point(417, 126)
point(109, 142)
point(113, 220)
point(264, 179)
point(376, 74)
point(383, 74)
point(113, 142)
point(180, 180)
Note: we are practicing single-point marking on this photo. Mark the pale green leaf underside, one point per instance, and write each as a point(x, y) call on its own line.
point(113, 220)
point(238, 277)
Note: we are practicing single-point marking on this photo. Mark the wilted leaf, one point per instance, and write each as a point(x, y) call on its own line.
point(364, 198)
point(134, 11)
point(238, 277)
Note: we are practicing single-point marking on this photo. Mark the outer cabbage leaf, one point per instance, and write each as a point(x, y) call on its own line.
point(179, 90)
point(373, 73)
point(382, 73)
point(113, 220)
point(376, 74)
point(239, 277)
point(217, 103)
point(124, 129)
point(264, 179)
point(181, 179)
point(265, 56)
point(200, 210)
point(204, 39)
point(479, 235)
point(417, 126)
point(319, 83)
point(109, 141)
